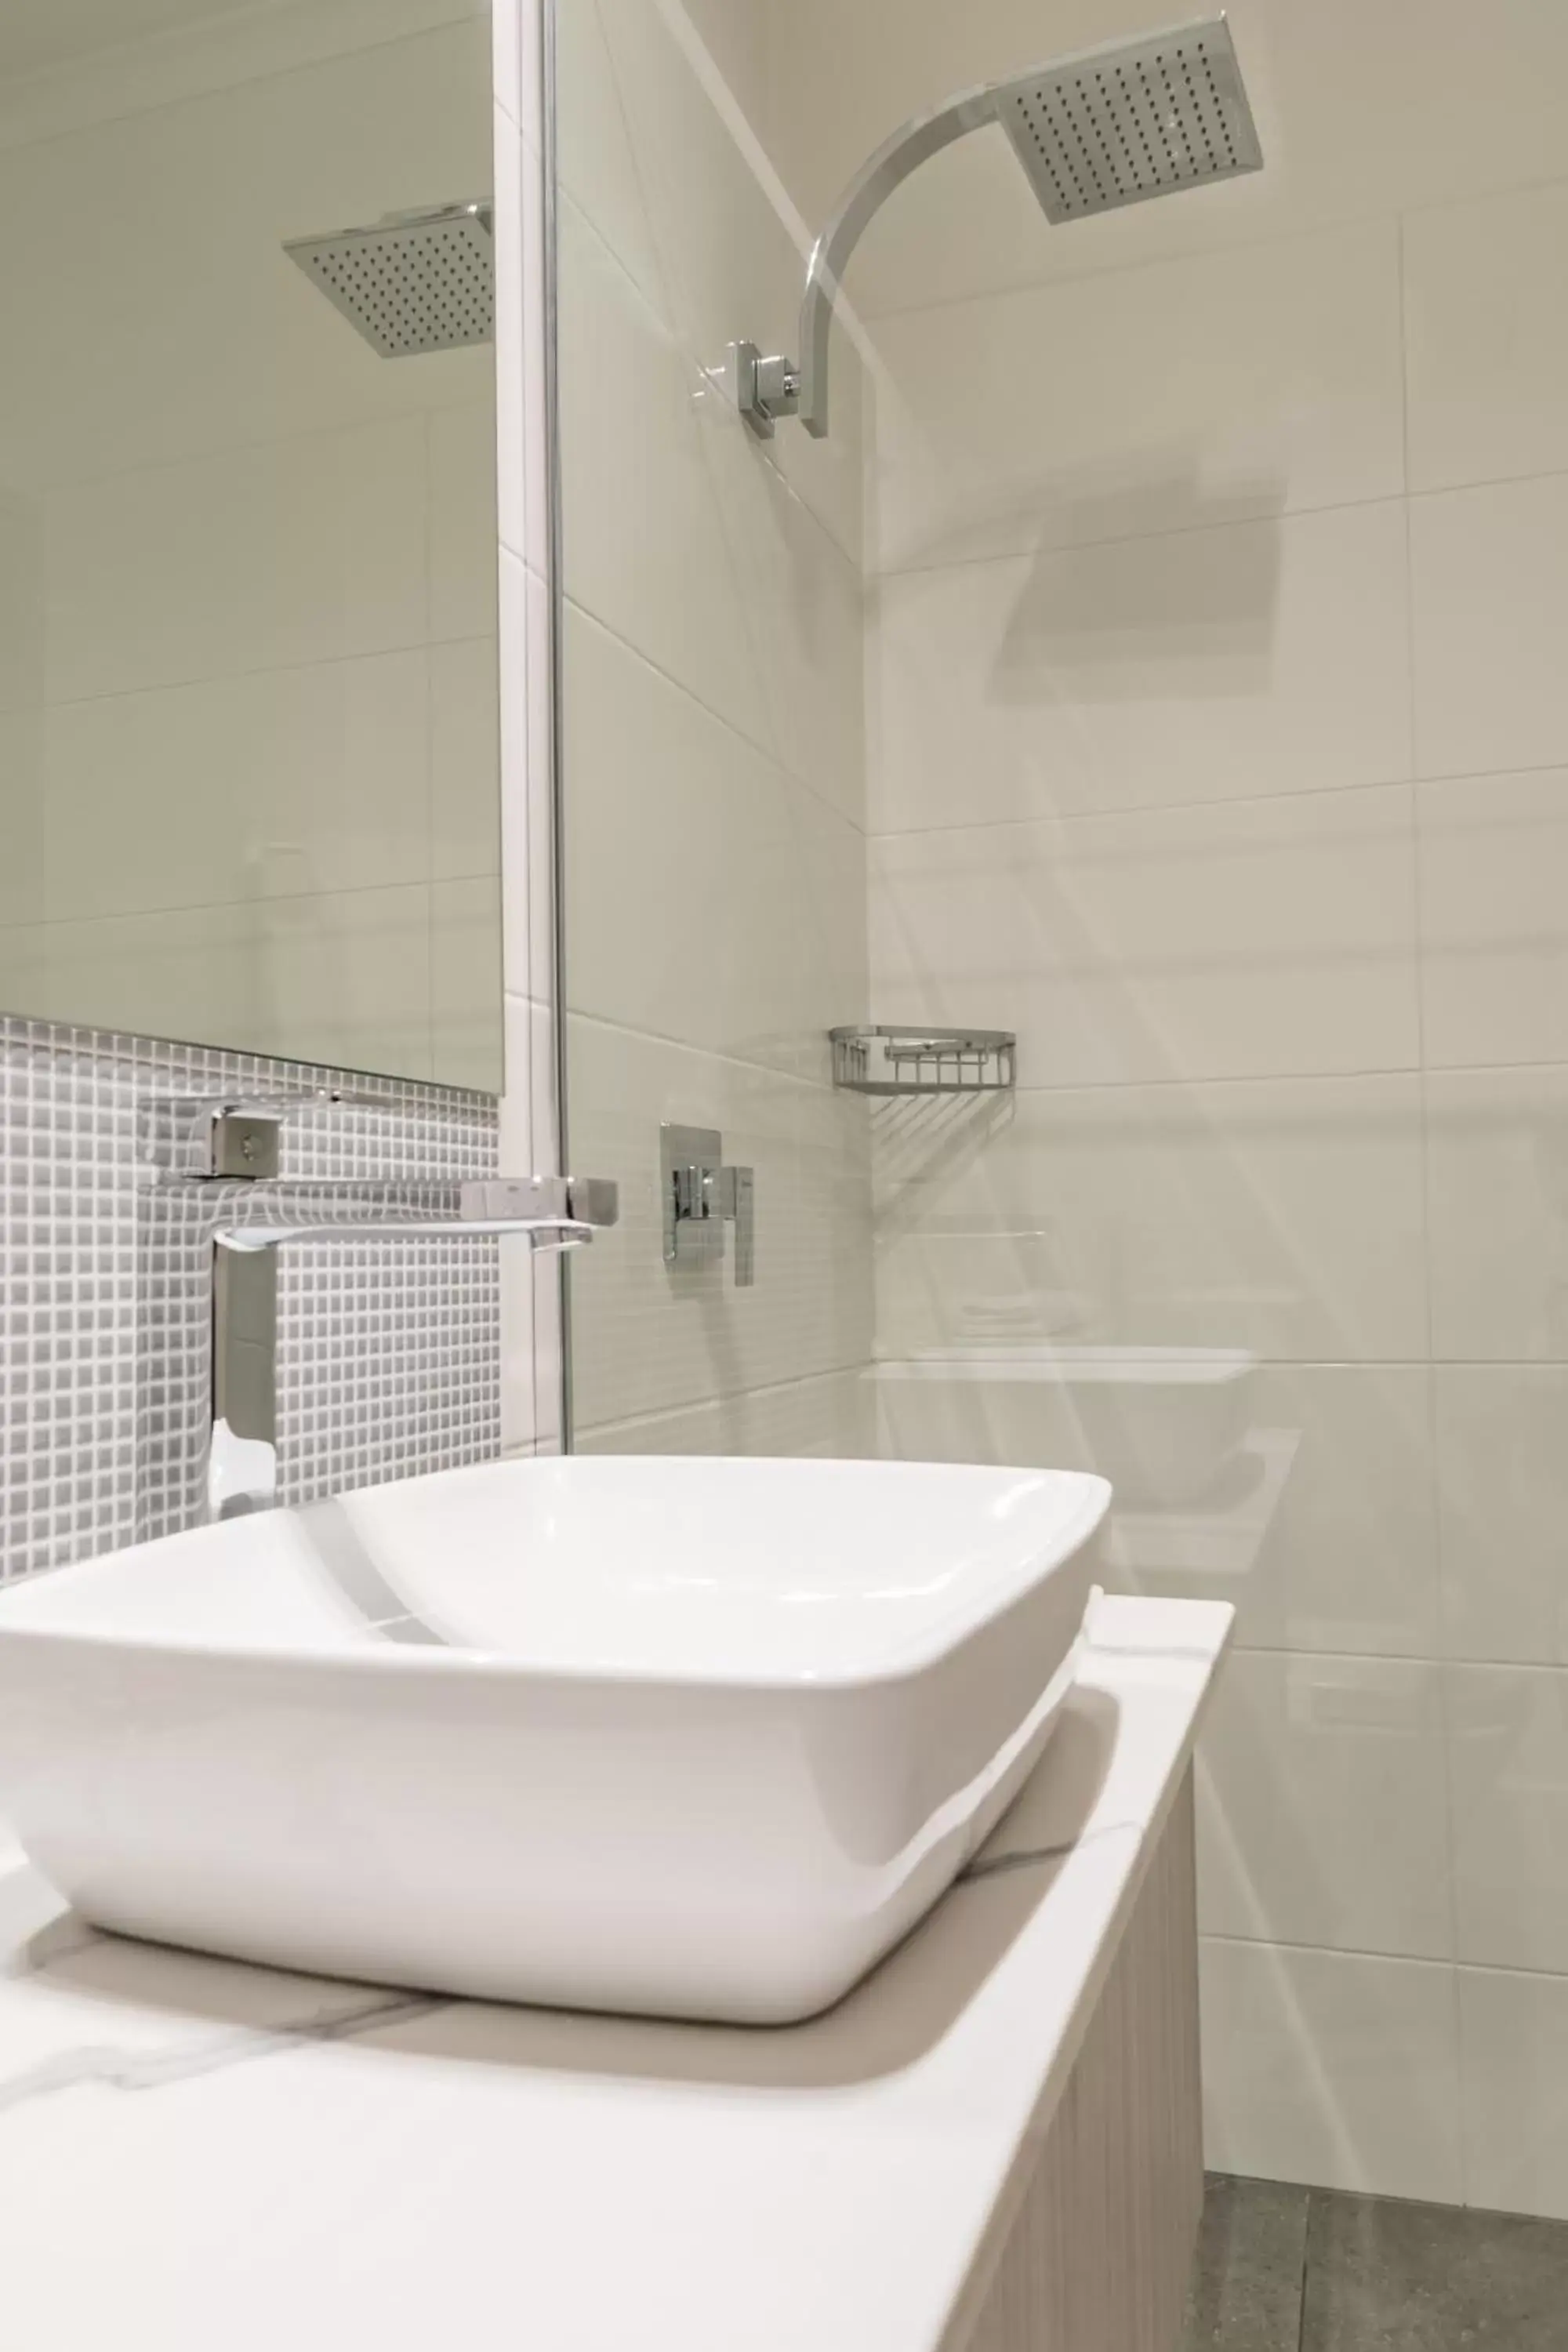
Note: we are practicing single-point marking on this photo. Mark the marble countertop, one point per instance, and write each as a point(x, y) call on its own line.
point(195, 2154)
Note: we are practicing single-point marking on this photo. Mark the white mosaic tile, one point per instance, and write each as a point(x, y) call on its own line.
point(389, 1351)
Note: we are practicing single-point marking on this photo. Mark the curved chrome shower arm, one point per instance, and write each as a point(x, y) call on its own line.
point(925, 136)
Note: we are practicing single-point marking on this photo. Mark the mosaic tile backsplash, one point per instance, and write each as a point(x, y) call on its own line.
point(389, 1351)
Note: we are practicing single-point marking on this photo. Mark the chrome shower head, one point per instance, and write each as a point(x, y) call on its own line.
point(416, 281)
point(1110, 127)
point(1137, 119)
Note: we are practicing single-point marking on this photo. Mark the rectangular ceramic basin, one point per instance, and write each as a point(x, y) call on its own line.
point(694, 1738)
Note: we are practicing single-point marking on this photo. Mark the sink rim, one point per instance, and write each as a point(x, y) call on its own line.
point(372, 1647)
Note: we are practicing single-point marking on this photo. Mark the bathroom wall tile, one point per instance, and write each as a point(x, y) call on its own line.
point(466, 1048)
point(1498, 1184)
point(506, 56)
point(1301, 1494)
point(831, 938)
point(1331, 2068)
point(1507, 1730)
point(345, 978)
point(518, 296)
point(1487, 337)
point(271, 785)
point(1257, 939)
point(683, 869)
point(805, 611)
point(462, 553)
point(732, 249)
point(308, 550)
point(1513, 2051)
point(645, 550)
point(1025, 420)
point(1265, 657)
point(465, 759)
point(298, 141)
point(647, 1337)
point(1494, 917)
point(1503, 1495)
point(22, 815)
point(1490, 600)
point(596, 166)
point(1284, 1219)
point(816, 1417)
point(825, 1256)
point(1322, 1812)
point(24, 970)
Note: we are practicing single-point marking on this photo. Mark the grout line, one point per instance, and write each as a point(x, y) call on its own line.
point(767, 753)
point(723, 1400)
point(1037, 550)
point(1432, 1483)
point(202, 679)
point(1306, 2269)
point(1390, 1960)
point(877, 835)
point(706, 1052)
point(1207, 1081)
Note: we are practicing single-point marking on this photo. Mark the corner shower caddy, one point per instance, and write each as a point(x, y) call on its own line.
point(894, 1060)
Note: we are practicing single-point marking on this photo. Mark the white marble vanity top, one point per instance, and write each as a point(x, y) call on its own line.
point(196, 2154)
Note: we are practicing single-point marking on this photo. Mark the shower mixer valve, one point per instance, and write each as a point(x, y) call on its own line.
point(701, 1196)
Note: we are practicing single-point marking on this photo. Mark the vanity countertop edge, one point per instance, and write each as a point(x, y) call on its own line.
point(256, 2157)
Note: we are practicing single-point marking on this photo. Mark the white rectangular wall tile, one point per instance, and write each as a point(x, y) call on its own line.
point(1326, 2067)
point(1486, 292)
point(1496, 1145)
point(687, 890)
point(1299, 1493)
point(1513, 2056)
point(1322, 1812)
point(1259, 657)
point(645, 550)
point(1278, 369)
point(1502, 1485)
point(234, 789)
point(1283, 1219)
point(824, 1417)
point(308, 550)
point(1489, 576)
point(1508, 1732)
point(1258, 940)
point(1494, 917)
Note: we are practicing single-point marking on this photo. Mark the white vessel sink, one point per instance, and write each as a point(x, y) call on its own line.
point(698, 1737)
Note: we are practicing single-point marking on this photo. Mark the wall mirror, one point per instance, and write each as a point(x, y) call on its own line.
point(249, 745)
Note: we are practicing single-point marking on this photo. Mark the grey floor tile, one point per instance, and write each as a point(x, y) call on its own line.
point(1385, 2277)
point(1245, 2294)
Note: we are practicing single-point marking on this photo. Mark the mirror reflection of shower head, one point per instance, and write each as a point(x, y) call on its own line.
point(416, 281)
point(1110, 127)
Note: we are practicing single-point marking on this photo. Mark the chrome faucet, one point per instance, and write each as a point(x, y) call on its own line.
point(235, 1154)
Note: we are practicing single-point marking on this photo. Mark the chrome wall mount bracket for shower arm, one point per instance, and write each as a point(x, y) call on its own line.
point(1108, 127)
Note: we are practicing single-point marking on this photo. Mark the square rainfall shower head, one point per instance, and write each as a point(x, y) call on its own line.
point(416, 281)
point(1141, 118)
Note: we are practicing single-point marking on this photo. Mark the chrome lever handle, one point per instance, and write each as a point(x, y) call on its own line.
point(701, 1196)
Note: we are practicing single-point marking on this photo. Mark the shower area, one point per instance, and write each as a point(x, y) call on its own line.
point(1062, 774)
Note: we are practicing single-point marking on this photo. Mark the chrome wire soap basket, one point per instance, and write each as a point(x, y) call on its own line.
point(904, 1061)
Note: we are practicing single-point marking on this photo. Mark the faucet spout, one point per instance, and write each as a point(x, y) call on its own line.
point(550, 1213)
